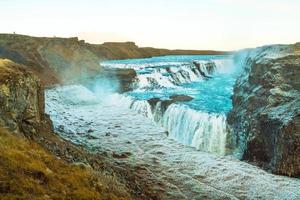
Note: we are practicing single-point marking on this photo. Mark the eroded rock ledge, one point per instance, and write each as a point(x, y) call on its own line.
point(265, 118)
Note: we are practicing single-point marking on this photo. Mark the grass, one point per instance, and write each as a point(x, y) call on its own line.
point(27, 171)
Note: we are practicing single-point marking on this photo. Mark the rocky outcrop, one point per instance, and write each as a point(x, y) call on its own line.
point(21, 99)
point(161, 105)
point(265, 119)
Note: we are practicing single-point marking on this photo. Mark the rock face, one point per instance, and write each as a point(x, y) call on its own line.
point(21, 99)
point(265, 119)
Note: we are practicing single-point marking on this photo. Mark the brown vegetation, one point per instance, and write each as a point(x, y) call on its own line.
point(29, 172)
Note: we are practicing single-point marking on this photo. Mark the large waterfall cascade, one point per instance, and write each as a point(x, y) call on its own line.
point(102, 122)
point(209, 80)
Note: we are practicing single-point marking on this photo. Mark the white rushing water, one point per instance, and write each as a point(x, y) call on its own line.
point(173, 75)
point(203, 128)
point(206, 132)
point(173, 171)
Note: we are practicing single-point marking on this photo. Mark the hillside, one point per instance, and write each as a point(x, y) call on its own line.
point(57, 60)
point(27, 171)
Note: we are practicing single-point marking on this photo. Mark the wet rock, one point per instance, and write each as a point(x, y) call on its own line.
point(90, 131)
point(61, 128)
point(167, 133)
point(265, 119)
point(181, 97)
point(210, 67)
point(160, 153)
point(91, 137)
point(165, 103)
point(121, 155)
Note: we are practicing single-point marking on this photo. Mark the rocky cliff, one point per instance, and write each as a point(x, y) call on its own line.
point(265, 119)
point(21, 99)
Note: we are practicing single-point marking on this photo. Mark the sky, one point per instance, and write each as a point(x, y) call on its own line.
point(174, 24)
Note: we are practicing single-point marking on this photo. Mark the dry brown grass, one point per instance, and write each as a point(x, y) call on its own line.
point(28, 172)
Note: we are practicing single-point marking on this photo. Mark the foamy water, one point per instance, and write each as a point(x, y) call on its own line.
point(209, 80)
point(173, 171)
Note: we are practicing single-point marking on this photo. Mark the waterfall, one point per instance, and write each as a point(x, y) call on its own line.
point(196, 123)
point(164, 76)
point(142, 107)
point(206, 132)
point(154, 80)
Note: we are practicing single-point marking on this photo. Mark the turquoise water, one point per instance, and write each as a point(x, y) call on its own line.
point(211, 95)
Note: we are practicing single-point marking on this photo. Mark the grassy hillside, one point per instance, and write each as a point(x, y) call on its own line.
point(29, 172)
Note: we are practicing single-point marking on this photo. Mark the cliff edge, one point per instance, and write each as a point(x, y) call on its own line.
point(265, 119)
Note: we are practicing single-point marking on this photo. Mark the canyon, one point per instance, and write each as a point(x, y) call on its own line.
point(262, 126)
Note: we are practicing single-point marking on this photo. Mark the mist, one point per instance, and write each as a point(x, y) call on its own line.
point(104, 87)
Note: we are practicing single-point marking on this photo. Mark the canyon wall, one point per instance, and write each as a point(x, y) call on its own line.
point(265, 119)
point(21, 99)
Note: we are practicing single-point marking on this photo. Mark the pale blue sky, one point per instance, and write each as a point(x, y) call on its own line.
point(188, 24)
